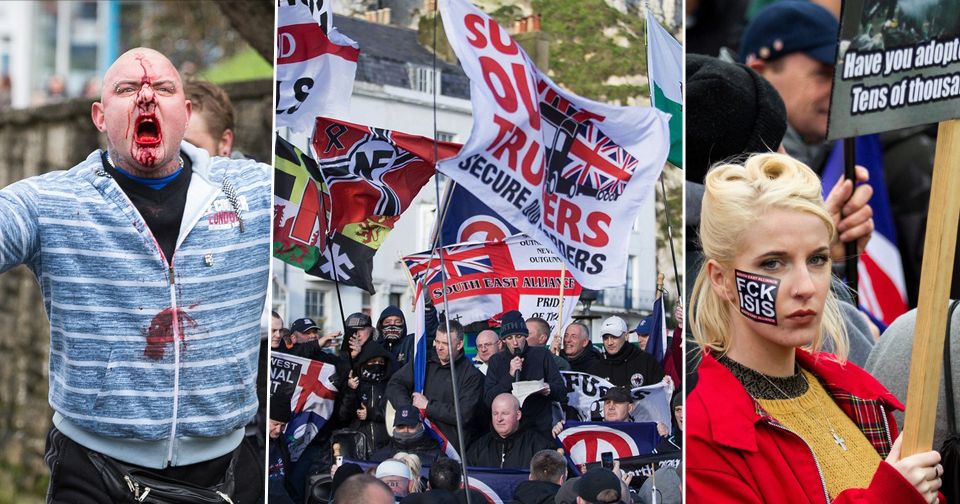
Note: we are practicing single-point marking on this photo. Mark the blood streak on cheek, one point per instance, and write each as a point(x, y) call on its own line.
point(146, 157)
point(160, 332)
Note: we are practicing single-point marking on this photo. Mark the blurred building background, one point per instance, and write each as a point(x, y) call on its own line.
point(51, 57)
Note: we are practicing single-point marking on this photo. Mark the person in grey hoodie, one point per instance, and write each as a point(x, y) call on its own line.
point(153, 262)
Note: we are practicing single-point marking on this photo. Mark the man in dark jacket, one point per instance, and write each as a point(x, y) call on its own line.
point(509, 445)
point(409, 436)
point(623, 364)
point(437, 397)
point(364, 400)
point(580, 353)
point(392, 334)
point(520, 362)
point(548, 470)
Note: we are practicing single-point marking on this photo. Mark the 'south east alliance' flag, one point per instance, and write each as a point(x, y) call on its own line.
point(309, 387)
point(665, 68)
point(316, 66)
point(567, 171)
point(484, 280)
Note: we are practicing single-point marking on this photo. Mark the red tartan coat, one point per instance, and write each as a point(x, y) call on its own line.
point(739, 454)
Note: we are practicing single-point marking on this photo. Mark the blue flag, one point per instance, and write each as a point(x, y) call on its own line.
point(465, 218)
point(585, 442)
point(882, 288)
point(497, 485)
point(657, 344)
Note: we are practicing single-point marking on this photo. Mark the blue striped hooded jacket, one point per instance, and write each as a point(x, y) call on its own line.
point(149, 363)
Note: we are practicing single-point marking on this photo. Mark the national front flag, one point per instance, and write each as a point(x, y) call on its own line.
point(308, 385)
point(484, 280)
point(315, 68)
point(585, 442)
point(665, 69)
point(882, 288)
point(566, 171)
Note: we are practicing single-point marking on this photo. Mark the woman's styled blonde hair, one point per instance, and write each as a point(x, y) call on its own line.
point(735, 198)
point(412, 461)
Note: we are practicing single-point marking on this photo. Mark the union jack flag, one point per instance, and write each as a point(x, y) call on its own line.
point(458, 261)
point(598, 162)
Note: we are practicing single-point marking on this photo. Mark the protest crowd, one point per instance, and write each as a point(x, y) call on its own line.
point(513, 438)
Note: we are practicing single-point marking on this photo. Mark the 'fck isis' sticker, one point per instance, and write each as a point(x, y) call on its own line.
point(758, 296)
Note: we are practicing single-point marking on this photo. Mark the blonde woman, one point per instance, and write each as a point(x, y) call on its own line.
point(772, 418)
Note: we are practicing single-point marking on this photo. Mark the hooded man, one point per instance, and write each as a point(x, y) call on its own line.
point(392, 334)
point(165, 233)
point(364, 400)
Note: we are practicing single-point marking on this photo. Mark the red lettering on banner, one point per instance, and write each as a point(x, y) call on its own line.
point(308, 215)
point(533, 109)
point(568, 214)
point(512, 147)
point(528, 169)
point(507, 101)
point(505, 127)
point(472, 23)
point(509, 48)
point(548, 201)
point(594, 222)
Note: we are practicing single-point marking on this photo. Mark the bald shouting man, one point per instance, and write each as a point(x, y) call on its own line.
point(152, 258)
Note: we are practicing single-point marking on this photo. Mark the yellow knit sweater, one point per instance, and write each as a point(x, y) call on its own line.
point(810, 416)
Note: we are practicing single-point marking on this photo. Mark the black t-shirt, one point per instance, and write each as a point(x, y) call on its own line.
point(161, 209)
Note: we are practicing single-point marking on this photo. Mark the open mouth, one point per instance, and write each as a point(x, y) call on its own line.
point(147, 131)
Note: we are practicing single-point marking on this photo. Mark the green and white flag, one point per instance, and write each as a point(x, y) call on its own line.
point(665, 69)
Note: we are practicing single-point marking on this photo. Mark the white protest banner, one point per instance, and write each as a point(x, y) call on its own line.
point(320, 10)
point(581, 199)
point(315, 69)
point(584, 393)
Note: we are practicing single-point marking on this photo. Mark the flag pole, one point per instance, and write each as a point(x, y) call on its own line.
point(673, 253)
point(443, 279)
point(333, 259)
point(563, 274)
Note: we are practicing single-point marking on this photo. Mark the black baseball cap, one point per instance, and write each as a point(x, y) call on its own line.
point(358, 320)
point(406, 415)
point(618, 394)
point(303, 325)
point(790, 26)
point(595, 481)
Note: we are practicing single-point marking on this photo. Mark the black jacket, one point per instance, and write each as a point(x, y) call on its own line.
point(372, 394)
point(440, 409)
point(630, 367)
point(582, 362)
point(538, 364)
point(427, 448)
point(513, 452)
point(535, 492)
point(400, 348)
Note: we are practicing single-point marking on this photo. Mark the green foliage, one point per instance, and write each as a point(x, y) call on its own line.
point(245, 65)
point(583, 56)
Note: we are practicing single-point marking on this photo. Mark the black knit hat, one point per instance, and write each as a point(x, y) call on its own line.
point(731, 112)
point(513, 323)
point(280, 408)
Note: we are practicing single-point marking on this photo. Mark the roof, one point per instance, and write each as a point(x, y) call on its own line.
point(385, 52)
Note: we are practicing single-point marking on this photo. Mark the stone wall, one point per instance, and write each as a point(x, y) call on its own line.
point(35, 141)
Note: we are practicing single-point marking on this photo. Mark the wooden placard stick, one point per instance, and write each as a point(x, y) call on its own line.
point(926, 365)
point(554, 346)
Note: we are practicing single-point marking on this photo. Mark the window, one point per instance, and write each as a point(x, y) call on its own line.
point(628, 288)
point(424, 79)
point(365, 303)
point(444, 136)
point(395, 299)
point(315, 301)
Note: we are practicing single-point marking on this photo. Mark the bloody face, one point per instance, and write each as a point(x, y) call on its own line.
point(143, 112)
